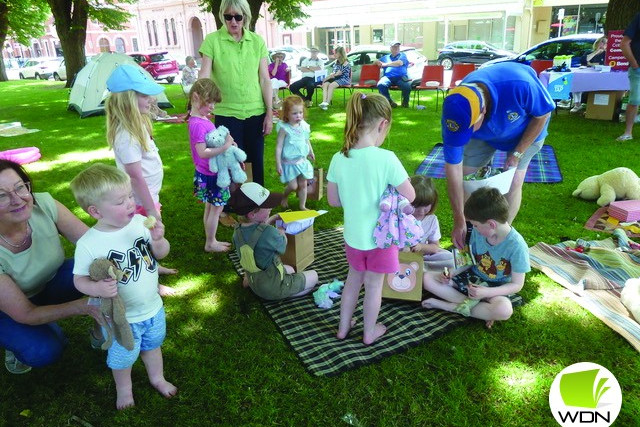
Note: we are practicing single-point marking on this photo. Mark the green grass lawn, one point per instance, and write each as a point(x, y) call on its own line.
point(230, 363)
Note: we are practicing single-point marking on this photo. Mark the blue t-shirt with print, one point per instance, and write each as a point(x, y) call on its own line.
point(392, 72)
point(516, 97)
point(633, 32)
point(496, 263)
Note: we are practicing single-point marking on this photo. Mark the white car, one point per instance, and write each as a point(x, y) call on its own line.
point(39, 68)
point(61, 72)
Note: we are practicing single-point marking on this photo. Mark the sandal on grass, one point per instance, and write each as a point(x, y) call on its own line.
point(13, 365)
point(624, 138)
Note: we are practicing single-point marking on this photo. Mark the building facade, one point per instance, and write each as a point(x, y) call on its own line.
point(179, 26)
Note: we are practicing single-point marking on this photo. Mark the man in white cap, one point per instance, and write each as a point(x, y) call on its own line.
point(395, 73)
point(308, 66)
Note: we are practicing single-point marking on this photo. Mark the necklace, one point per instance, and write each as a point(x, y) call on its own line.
point(19, 245)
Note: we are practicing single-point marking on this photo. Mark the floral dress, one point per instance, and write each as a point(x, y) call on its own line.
point(295, 151)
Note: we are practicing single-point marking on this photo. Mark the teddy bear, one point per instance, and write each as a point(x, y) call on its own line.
point(618, 183)
point(227, 164)
point(113, 310)
point(630, 297)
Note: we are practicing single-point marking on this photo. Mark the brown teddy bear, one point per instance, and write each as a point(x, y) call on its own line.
point(113, 310)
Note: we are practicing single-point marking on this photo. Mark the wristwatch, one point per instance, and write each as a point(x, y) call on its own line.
point(518, 155)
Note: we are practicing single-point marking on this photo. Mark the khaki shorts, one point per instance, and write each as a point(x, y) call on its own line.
point(268, 285)
point(478, 153)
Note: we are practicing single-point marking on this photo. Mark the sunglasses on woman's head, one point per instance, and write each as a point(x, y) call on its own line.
point(238, 18)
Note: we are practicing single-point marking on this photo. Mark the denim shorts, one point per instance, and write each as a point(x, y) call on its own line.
point(478, 153)
point(147, 335)
point(634, 86)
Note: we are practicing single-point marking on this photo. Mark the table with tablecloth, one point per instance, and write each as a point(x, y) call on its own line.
point(589, 80)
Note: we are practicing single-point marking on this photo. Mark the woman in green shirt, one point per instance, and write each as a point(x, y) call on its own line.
point(36, 283)
point(236, 59)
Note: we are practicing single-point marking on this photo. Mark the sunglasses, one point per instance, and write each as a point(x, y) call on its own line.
point(238, 18)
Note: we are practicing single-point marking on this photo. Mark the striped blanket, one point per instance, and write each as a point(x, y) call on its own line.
point(311, 331)
point(595, 279)
point(543, 167)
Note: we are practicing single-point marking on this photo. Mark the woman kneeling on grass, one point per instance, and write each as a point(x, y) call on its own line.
point(36, 282)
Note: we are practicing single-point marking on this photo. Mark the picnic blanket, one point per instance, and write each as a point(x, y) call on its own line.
point(595, 279)
point(14, 129)
point(601, 221)
point(311, 331)
point(543, 167)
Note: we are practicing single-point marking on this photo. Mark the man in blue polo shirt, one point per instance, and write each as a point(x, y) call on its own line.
point(395, 73)
point(502, 107)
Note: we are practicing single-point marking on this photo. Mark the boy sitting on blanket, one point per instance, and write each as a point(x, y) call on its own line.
point(502, 260)
point(259, 245)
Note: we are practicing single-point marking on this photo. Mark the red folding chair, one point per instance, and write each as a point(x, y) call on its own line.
point(458, 72)
point(432, 79)
point(369, 76)
point(539, 65)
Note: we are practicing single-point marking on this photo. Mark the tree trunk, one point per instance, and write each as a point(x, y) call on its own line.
point(620, 13)
point(70, 18)
point(4, 27)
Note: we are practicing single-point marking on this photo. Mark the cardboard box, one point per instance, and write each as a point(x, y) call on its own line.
point(299, 253)
point(315, 186)
point(603, 105)
point(405, 284)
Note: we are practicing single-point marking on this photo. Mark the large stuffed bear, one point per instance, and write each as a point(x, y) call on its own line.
point(618, 183)
point(227, 164)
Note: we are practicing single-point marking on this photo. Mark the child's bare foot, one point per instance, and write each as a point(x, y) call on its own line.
point(435, 303)
point(166, 291)
point(378, 331)
point(165, 388)
point(284, 203)
point(343, 334)
point(165, 270)
point(217, 247)
point(304, 208)
point(124, 399)
point(489, 323)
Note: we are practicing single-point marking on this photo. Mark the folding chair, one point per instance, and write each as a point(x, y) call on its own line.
point(432, 79)
point(539, 65)
point(287, 80)
point(369, 76)
point(458, 72)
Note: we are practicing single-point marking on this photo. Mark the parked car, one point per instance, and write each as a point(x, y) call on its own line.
point(469, 51)
point(367, 54)
point(61, 72)
point(11, 67)
point(160, 65)
point(39, 68)
point(576, 45)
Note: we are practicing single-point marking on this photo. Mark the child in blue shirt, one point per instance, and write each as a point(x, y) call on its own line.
point(501, 261)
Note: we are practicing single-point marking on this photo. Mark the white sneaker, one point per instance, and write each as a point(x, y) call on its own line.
point(324, 105)
point(576, 108)
point(13, 365)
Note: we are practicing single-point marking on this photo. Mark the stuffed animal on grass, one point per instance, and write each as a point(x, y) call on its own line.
point(630, 297)
point(113, 311)
point(227, 164)
point(618, 183)
point(323, 296)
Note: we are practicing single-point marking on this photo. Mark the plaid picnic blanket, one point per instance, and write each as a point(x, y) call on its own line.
point(311, 331)
point(595, 279)
point(543, 167)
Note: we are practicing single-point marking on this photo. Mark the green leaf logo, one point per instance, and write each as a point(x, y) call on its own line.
point(579, 388)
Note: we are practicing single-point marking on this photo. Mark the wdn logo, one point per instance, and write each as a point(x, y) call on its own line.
point(585, 394)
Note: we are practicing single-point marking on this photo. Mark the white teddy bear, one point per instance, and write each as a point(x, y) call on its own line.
point(630, 297)
point(618, 183)
point(227, 164)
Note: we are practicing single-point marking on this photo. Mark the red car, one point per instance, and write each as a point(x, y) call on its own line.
point(160, 65)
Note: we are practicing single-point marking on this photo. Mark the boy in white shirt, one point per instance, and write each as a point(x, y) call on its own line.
point(120, 235)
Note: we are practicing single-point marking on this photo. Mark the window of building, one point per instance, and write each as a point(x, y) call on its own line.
point(155, 32)
point(166, 30)
point(173, 30)
point(134, 43)
point(378, 35)
point(120, 45)
point(104, 45)
point(149, 33)
point(410, 34)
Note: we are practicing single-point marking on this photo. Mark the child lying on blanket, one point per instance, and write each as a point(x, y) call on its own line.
point(502, 260)
point(259, 245)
